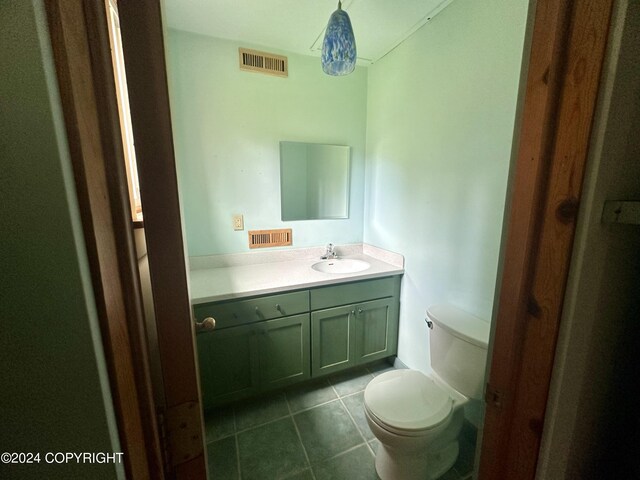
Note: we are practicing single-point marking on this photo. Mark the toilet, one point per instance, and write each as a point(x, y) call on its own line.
point(417, 417)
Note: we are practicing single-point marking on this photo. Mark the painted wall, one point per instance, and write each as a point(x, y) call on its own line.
point(55, 391)
point(441, 111)
point(227, 128)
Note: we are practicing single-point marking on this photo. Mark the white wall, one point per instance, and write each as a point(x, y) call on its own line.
point(55, 391)
point(441, 111)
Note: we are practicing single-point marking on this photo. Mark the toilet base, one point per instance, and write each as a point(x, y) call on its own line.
point(395, 466)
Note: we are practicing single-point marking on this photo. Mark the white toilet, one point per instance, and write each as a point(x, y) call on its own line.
point(416, 417)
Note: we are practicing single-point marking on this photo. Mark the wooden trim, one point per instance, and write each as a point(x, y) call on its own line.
point(143, 45)
point(567, 54)
point(83, 64)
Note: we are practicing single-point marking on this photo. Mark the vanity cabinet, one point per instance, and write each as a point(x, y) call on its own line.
point(273, 341)
point(283, 346)
point(257, 345)
point(228, 361)
point(356, 333)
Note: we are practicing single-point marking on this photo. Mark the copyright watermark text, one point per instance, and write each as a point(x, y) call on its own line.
point(61, 457)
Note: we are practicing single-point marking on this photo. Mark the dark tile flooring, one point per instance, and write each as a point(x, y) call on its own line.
point(316, 430)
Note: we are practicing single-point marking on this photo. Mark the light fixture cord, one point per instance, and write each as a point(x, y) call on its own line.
point(339, 4)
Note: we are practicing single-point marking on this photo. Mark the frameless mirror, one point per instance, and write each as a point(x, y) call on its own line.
point(314, 181)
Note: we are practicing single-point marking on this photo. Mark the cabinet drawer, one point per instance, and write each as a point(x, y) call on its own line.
point(327, 297)
point(239, 312)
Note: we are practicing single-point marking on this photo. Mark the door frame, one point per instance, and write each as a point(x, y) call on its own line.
point(160, 437)
point(568, 41)
point(568, 44)
point(82, 56)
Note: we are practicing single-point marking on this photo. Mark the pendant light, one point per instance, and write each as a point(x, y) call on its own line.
point(339, 45)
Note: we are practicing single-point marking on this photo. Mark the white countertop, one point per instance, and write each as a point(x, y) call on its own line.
point(225, 277)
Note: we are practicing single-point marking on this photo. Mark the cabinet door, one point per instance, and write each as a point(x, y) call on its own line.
point(284, 351)
point(228, 361)
point(332, 340)
point(376, 329)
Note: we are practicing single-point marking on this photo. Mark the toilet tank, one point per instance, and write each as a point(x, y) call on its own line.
point(458, 342)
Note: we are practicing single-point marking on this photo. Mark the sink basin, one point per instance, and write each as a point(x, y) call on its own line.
point(341, 265)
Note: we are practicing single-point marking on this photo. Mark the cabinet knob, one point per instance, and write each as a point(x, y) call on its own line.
point(359, 311)
point(353, 312)
point(257, 311)
point(278, 307)
point(206, 325)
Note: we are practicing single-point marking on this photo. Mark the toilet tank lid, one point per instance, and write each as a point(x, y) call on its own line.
point(461, 324)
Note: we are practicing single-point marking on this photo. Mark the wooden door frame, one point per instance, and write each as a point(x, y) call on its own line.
point(567, 52)
point(160, 438)
point(80, 45)
point(568, 46)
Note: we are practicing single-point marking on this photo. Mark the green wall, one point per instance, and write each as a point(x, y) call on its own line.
point(437, 114)
point(440, 118)
point(55, 393)
point(227, 128)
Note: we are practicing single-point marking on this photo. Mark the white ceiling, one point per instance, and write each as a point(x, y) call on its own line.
point(298, 25)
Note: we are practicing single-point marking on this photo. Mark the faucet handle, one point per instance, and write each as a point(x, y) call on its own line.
point(329, 253)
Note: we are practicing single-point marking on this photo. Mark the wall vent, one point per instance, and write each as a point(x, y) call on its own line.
point(270, 238)
point(255, 61)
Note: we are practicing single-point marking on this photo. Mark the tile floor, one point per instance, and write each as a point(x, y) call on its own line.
point(311, 431)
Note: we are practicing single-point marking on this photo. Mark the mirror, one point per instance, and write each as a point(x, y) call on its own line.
point(314, 181)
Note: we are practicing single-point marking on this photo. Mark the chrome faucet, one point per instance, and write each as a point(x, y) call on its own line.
point(330, 253)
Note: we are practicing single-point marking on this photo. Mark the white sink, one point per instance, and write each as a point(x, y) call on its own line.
point(341, 265)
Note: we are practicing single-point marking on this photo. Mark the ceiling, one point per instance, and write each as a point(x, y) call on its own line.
point(298, 25)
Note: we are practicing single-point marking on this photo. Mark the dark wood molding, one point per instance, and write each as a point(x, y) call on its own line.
point(567, 54)
point(83, 64)
point(143, 45)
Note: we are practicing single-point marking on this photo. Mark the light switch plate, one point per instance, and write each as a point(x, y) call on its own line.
point(238, 222)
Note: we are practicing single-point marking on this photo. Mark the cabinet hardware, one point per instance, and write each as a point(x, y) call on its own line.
point(206, 325)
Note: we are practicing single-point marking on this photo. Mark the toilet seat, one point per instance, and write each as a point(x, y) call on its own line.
point(407, 402)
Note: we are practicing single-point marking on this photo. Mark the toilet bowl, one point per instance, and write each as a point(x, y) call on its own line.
point(417, 423)
point(416, 417)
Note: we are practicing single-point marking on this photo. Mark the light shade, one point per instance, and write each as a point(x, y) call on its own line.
point(339, 45)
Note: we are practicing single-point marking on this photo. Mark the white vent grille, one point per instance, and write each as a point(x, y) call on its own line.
point(270, 238)
point(255, 61)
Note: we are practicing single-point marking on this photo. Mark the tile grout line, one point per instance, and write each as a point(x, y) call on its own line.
point(295, 425)
point(282, 417)
point(366, 442)
point(353, 421)
point(371, 449)
point(306, 409)
point(235, 437)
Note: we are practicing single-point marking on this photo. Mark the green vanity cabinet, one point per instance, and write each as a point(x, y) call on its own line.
point(353, 323)
point(351, 335)
point(284, 351)
point(376, 329)
point(258, 344)
point(272, 341)
point(228, 361)
point(332, 339)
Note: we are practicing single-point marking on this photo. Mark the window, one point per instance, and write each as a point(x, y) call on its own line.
point(123, 109)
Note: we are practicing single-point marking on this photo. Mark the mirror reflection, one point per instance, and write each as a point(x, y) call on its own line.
point(314, 181)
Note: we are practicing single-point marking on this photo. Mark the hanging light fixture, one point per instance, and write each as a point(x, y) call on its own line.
point(339, 45)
